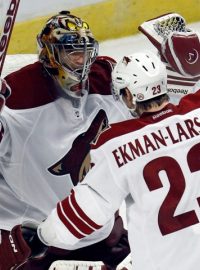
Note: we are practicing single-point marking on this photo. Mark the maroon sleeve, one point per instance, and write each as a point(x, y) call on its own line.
point(100, 75)
point(30, 87)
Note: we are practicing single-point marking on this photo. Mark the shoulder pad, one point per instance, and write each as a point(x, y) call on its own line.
point(100, 75)
point(30, 87)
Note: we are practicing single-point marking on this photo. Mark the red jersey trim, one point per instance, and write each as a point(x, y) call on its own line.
point(74, 219)
point(67, 224)
point(82, 214)
point(184, 83)
point(187, 104)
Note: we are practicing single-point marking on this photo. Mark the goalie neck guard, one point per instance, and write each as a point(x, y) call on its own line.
point(67, 49)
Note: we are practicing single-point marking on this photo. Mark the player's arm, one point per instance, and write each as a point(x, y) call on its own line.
point(68, 229)
point(85, 218)
point(24, 251)
point(77, 217)
point(86, 210)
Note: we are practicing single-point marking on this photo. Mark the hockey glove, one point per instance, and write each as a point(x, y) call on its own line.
point(17, 246)
point(158, 29)
point(178, 45)
point(111, 251)
point(181, 50)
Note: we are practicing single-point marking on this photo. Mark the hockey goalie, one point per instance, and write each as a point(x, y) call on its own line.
point(54, 108)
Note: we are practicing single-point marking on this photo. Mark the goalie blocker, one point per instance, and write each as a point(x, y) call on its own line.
point(24, 251)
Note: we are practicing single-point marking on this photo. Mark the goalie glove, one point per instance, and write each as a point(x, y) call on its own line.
point(5, 92)
point(158, 29)
point(178, 45)
point(182, 50)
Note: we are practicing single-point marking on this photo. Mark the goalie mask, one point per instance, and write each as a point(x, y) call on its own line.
point(67, 49)
point(143, 74)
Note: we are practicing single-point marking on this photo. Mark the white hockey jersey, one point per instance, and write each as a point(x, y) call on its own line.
point(37, 165)
point(153, 162)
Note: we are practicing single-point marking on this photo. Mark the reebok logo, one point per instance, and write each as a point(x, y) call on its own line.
point(12, 244)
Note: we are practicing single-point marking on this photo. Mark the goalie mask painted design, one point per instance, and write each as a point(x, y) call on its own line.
point(143, 74)
point(67, 49)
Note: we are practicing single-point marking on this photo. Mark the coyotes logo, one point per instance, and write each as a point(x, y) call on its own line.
point(77, 162)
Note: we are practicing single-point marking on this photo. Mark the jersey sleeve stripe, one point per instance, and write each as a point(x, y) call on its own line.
point(82, 214)
point(75, 218)
point(67, 224)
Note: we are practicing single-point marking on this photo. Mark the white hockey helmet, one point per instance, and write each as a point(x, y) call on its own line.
point(142, 73)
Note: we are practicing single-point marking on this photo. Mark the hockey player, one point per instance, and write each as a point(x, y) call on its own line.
point(152, 161)
point(179, 48)
point(57, 108)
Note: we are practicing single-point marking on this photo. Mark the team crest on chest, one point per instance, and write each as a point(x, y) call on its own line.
point(77, 161)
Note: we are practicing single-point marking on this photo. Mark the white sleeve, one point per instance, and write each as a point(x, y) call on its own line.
point(52, 232)
point(87, 215)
